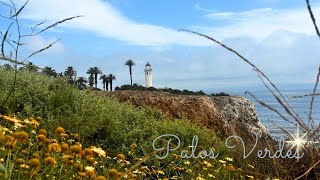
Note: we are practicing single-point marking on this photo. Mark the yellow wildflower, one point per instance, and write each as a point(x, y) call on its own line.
point(24, 166)
point(121, 156)
point(113, 173)
point(54, 147)
point(50, 161)
point(230, 167)
point(101, 178)
point(20, 161)
point(43, 131)
point(99, 151)
point(34, 162)
point(21, 136)
point(41, 137)
point(134, 145)
point(90, 171)
point(76, 149)
point(88, 152)
point(64, 146)
point(60, 130)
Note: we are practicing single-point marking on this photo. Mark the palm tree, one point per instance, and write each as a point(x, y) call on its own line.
point(81, 82)
point(105, 81)
point(7, 67)
point(91, 80)
point(130, 63)
point(111, 77)
point(91, 72)
point(71, 73)
point(49, 71)
point(30, 67)
point(95, 71)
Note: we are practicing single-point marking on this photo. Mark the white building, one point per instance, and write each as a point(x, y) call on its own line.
point(148, 76)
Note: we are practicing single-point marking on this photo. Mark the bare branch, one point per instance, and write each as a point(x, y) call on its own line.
point(16, 62)
point(5, 4)
point(248, 62)
point(269, 107)
point(313, 166)
point(312, 100)
point(5, 17)
point(19, 11)
point(313, 18)
point(306, 95)
point(39, 24)
point(4, 39)
point(296, 118)
point(52, 25)
point(43, 49)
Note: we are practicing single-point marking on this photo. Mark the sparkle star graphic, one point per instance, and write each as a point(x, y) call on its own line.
point(298, 140)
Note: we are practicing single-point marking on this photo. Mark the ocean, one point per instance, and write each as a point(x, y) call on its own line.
point(273, 121)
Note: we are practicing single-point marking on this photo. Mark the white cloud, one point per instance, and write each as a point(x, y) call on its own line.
point(259, 23)
point(200, 8)
point(103, 19)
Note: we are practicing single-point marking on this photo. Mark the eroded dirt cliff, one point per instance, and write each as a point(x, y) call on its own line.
point(228, 115)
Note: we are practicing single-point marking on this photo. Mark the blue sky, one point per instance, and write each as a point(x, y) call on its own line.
point(276, 35)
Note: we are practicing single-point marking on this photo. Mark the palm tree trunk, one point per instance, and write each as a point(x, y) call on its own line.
point(104, 86)
point(130, 69)
point(110, 85)
point(96, 80)
point(107, 86)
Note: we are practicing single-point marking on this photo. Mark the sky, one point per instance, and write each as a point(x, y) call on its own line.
point(276, 35)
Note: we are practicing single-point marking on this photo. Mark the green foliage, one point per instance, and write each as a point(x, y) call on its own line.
point(97, 119)
point(219, 94)
point(137, 87)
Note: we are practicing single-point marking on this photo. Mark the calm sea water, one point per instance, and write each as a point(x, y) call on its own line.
point(300, 106)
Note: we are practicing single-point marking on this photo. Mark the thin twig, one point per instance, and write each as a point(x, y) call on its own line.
point(308, 170)
point(298, 119)
point(269, 107)
point(19, 11)
point(43, 49)
point(51, 26)
point(313, 18)
point(4, 39)
point(305, 95)
point(3, 3)
point(39, 24)
point(312, 99)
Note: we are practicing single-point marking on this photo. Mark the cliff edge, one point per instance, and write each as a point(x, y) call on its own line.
point(228, 115)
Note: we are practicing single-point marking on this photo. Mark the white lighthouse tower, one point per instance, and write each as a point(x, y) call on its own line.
point(148, 76)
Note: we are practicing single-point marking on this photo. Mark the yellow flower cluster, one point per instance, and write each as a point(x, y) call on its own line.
point(40, 154)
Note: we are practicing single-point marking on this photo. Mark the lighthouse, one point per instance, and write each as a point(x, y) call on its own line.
point(148, 76)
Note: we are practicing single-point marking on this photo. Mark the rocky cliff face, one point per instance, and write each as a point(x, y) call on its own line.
point(227, 115)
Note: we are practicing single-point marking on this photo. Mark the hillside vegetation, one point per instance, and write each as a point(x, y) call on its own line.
point(94, 117)
point(47, 123)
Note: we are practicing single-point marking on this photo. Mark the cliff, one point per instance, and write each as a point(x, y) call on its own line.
point(228, 115)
